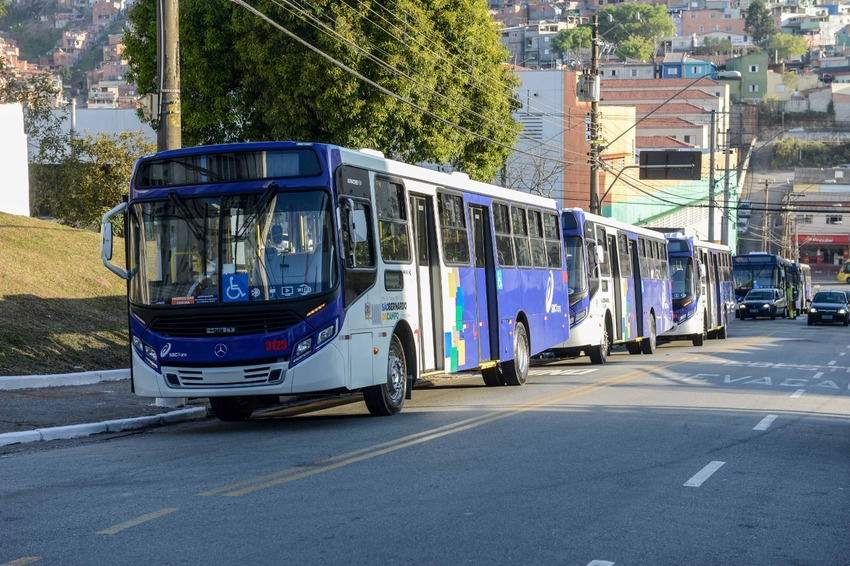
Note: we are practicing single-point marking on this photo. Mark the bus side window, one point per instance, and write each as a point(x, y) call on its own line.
point(356, 235)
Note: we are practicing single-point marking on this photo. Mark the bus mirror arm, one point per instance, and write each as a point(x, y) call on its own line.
point(106, 241)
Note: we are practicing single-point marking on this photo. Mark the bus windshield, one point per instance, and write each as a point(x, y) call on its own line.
point(755, 276)
point(244, 248)
point(576, 274)
point(681, 274)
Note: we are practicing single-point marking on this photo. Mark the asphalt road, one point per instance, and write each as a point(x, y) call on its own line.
point(733, 453)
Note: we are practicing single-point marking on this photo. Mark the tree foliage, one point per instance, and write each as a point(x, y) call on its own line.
point(572, 39)
point(759, 22)
point(637, 29)
point(244, 79)
point(713, 46)
point(783, 45)
point(96, 173)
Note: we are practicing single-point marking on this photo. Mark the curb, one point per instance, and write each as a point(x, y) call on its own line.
point(117, 425)
point(9, 383)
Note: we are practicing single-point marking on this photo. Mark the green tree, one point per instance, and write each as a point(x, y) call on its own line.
point(96, 173)
point(573, 39)
point(759, 22)
point(783, 45)
point(713, 46)
point(244, 79)
point(637, 29)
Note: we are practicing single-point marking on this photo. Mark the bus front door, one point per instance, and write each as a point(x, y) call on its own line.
point(427, 283)
point(485, 284)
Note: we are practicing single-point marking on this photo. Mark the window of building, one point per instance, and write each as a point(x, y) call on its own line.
point(633, 72)
point(834, 219)
point(753, 88)
point(687, 139)
point(805, 218)
point(754, 68)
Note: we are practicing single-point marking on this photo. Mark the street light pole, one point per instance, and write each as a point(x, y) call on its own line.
point(724, 216)
point(595, 205)
point(711, 146)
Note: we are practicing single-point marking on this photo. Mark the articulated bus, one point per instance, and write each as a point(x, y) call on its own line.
point(703, 289)
point(619, 286)
point(758, 270)
point(261, 270)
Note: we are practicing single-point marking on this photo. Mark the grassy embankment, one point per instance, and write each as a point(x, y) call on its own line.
point(61, 310)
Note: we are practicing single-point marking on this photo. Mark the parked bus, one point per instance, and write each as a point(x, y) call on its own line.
point(619, 286)
point(757, 270)
point(269, 269)
point(703, 289)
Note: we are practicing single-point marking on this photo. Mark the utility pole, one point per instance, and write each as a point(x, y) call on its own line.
point(764, 220)
point(169, 133)
point(711, 144)
point(725, 214)
point(595, 205)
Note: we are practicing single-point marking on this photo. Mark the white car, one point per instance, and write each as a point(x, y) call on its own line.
point(745, 208)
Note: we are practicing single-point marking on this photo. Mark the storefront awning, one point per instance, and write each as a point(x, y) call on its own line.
point(822, 239)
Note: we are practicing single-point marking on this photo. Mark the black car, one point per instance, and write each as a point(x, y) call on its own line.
point(829, 306)
point(763, 302)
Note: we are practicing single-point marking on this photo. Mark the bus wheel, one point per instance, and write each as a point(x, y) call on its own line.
point(699, 339)
point(599, 354)
point(723, 331)
point(388, 398)
point(516, 370)
point(648, 346)
point(633, 347)
point(232, 409)
point(493, 376)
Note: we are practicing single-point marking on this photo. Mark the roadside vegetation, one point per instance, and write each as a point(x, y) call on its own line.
point(61, 311)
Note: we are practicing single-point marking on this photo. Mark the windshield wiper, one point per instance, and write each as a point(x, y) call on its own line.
point(261, 204)
point(191, 221)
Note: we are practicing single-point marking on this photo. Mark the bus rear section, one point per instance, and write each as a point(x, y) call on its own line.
point(263, 270)
point(702, 289)
point(619, 287)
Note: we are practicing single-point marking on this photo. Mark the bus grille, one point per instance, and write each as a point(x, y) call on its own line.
point(231, 324)
point(224, 376)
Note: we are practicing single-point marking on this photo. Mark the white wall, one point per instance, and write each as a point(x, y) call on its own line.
point(15, 188)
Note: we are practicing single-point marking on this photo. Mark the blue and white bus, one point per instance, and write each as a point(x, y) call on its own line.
point(759, 270)
point(703, 289)
point(619, 286)
point(267, 269)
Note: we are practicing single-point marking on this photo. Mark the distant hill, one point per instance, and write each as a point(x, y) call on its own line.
point(61, 310)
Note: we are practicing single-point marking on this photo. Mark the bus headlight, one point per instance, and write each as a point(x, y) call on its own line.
point(581, 315)
point(303, 348)
point(325, 334)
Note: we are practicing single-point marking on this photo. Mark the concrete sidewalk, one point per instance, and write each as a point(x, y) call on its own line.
point(50, 407)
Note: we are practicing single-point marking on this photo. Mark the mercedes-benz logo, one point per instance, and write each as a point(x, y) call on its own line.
point(220, 350)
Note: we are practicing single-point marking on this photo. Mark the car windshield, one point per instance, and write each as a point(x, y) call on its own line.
point(760, 295)
point(246, 248)
point(829, 298)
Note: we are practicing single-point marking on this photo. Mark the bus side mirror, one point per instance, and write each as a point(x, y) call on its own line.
point(106, 241)
point(600, 255)
point(357, 227)
point(702, 271)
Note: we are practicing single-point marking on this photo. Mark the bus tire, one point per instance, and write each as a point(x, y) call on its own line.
point(232, 409)
point(516, 370)
point(723, 331)
point(648, 345)
point(633, 348)
point(493, 376)
point(599, 354)
point(387, 398)
point(699, 339)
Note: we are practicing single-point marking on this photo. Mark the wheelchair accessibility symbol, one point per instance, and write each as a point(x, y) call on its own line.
point(235, 288)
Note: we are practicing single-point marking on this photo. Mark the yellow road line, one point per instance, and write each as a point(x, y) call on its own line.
point(137, 521)
point(300, 472)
